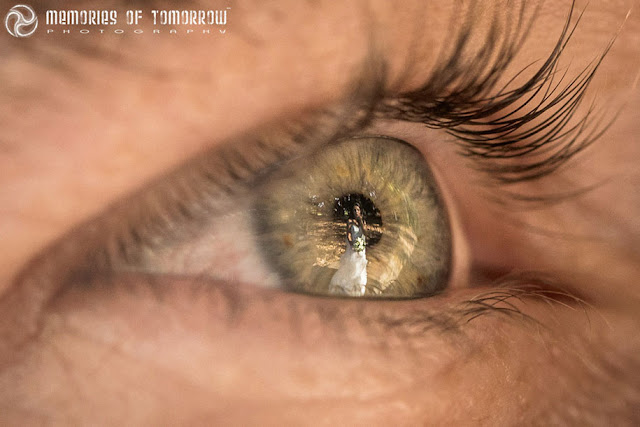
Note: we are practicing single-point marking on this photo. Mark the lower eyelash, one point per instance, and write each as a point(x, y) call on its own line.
point(510, 292)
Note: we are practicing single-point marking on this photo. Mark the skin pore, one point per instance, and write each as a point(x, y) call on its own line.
point(88, 119)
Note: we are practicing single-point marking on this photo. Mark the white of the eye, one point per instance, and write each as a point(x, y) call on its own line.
point(225, 248)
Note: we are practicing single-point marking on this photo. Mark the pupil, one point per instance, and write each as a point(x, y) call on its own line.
point(343, 207)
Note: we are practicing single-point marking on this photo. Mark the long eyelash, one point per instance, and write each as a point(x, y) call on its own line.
point(520, 133)
point(516, 288)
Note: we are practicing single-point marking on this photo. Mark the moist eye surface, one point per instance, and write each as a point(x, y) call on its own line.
point(362, 217)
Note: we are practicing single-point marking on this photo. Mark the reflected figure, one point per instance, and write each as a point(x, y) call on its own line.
point(351, 277)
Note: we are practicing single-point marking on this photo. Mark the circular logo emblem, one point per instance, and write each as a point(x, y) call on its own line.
point(21, 21)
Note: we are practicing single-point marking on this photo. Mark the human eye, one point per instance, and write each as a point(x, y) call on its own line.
point(215, 288)
point(273, 206)
point(284, 226)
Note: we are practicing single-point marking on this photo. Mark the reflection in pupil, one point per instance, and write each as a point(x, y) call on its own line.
point(370, 214)
point(354, 210)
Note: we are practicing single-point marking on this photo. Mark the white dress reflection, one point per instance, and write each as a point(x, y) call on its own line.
point(351, 277)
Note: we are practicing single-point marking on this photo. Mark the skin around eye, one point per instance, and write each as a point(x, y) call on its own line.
point(362, 218)
point(153, 350)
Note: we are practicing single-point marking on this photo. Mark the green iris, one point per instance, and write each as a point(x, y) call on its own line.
point(302, 217)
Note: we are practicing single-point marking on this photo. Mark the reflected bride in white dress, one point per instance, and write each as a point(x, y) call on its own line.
point(351, 277)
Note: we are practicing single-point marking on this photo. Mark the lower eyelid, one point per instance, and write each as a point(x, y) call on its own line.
point(234, 304)
point(452, 323)
point(193, 325)
point(210, 334)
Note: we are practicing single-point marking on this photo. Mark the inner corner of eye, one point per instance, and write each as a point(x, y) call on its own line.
point(361, 218)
